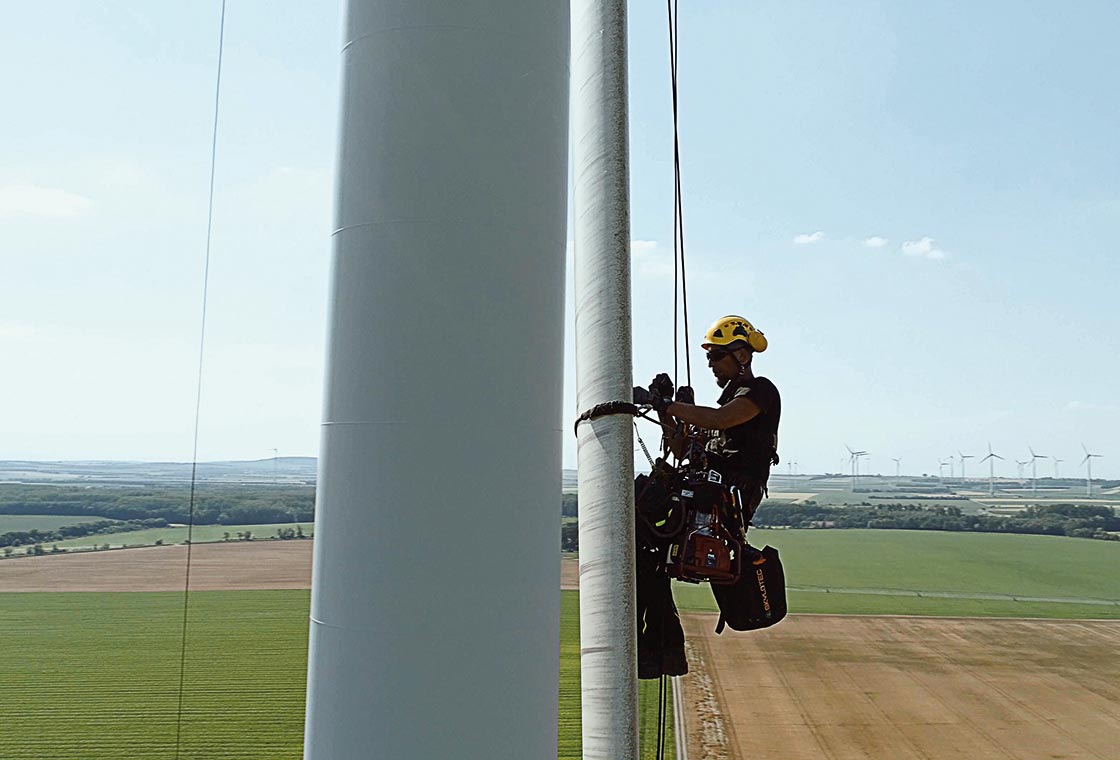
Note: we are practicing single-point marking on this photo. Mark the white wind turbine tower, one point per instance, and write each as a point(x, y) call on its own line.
point(853, 460)
point(1034, 468)
point(991, 460)
point(1088, 461)
point(1056, 463)
point(897, 465)
point(951, 463)
point(964, 457)
point(941, 470)
point(1021, 465)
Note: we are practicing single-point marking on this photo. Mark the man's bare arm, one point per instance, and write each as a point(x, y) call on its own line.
point(735, 412)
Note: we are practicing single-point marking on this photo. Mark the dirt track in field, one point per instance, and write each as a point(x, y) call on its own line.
point(846, 688)
point(235, 566)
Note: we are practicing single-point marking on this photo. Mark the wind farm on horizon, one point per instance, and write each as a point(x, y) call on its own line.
point(953, 481)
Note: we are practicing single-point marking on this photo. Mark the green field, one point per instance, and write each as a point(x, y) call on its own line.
point(14, 523)
point(95, 675)
point(177, 535)
point(830, 564)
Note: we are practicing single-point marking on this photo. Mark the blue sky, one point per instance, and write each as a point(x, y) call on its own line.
point(917, 203)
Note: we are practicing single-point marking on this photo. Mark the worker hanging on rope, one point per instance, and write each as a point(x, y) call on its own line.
point(692, 517)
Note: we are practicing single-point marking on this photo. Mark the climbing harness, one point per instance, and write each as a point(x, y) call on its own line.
point(198, 396)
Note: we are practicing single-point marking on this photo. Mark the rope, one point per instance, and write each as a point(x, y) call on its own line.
point(679, 309)
point(659, 754)
point(678, 206)
point(663, 727)
point(198, 395)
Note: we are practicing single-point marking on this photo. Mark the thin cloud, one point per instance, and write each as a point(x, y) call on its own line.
point(648, 258)
point(1089, 406)
point(33, 201)
point(807, 239)
point(924, 249)
point(875, 242)
point(15, 332)
point(124, 174)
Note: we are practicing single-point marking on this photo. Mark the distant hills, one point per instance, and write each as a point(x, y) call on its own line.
point(281, 470)
point(286, 470)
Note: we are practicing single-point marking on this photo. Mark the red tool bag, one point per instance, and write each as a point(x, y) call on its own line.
point(710, 546)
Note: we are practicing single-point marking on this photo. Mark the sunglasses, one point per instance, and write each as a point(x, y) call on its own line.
point(716, 354)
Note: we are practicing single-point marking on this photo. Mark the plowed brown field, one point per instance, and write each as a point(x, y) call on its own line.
point(235, 566)
point(844, 687)
point(815, 686)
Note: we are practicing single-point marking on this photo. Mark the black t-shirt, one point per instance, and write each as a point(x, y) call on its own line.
point(748, 450)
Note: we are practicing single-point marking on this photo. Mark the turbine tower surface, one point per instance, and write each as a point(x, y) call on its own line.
point(435, 584)
point(601, 213)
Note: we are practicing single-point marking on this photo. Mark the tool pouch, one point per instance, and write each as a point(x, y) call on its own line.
point(758, 598)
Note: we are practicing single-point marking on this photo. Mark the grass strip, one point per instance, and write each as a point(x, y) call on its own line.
point(95, 675)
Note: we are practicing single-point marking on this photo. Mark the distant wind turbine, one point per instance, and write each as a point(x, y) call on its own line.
point(991, 460)
point(964, 457)
point(1021, 465)
point(1056, 463)
point(897, 465)
point(853, 460)
point(1088, 461)
point(1034, 470)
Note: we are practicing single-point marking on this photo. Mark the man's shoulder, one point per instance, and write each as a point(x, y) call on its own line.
point(764, 382)
point(760, 390)
point(753, 385)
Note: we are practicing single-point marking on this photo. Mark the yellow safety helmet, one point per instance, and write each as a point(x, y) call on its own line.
point(732, 329)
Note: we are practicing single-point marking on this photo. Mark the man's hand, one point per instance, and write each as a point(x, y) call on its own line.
point(662, 385)
point(642, 396)
point(661, 392)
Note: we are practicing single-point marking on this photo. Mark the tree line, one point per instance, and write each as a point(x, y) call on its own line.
point(1072, 520)
point(214, 505)
point(31, 537)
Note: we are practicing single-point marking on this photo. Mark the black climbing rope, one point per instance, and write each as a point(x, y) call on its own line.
point(198, 395)
point(678, 210)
